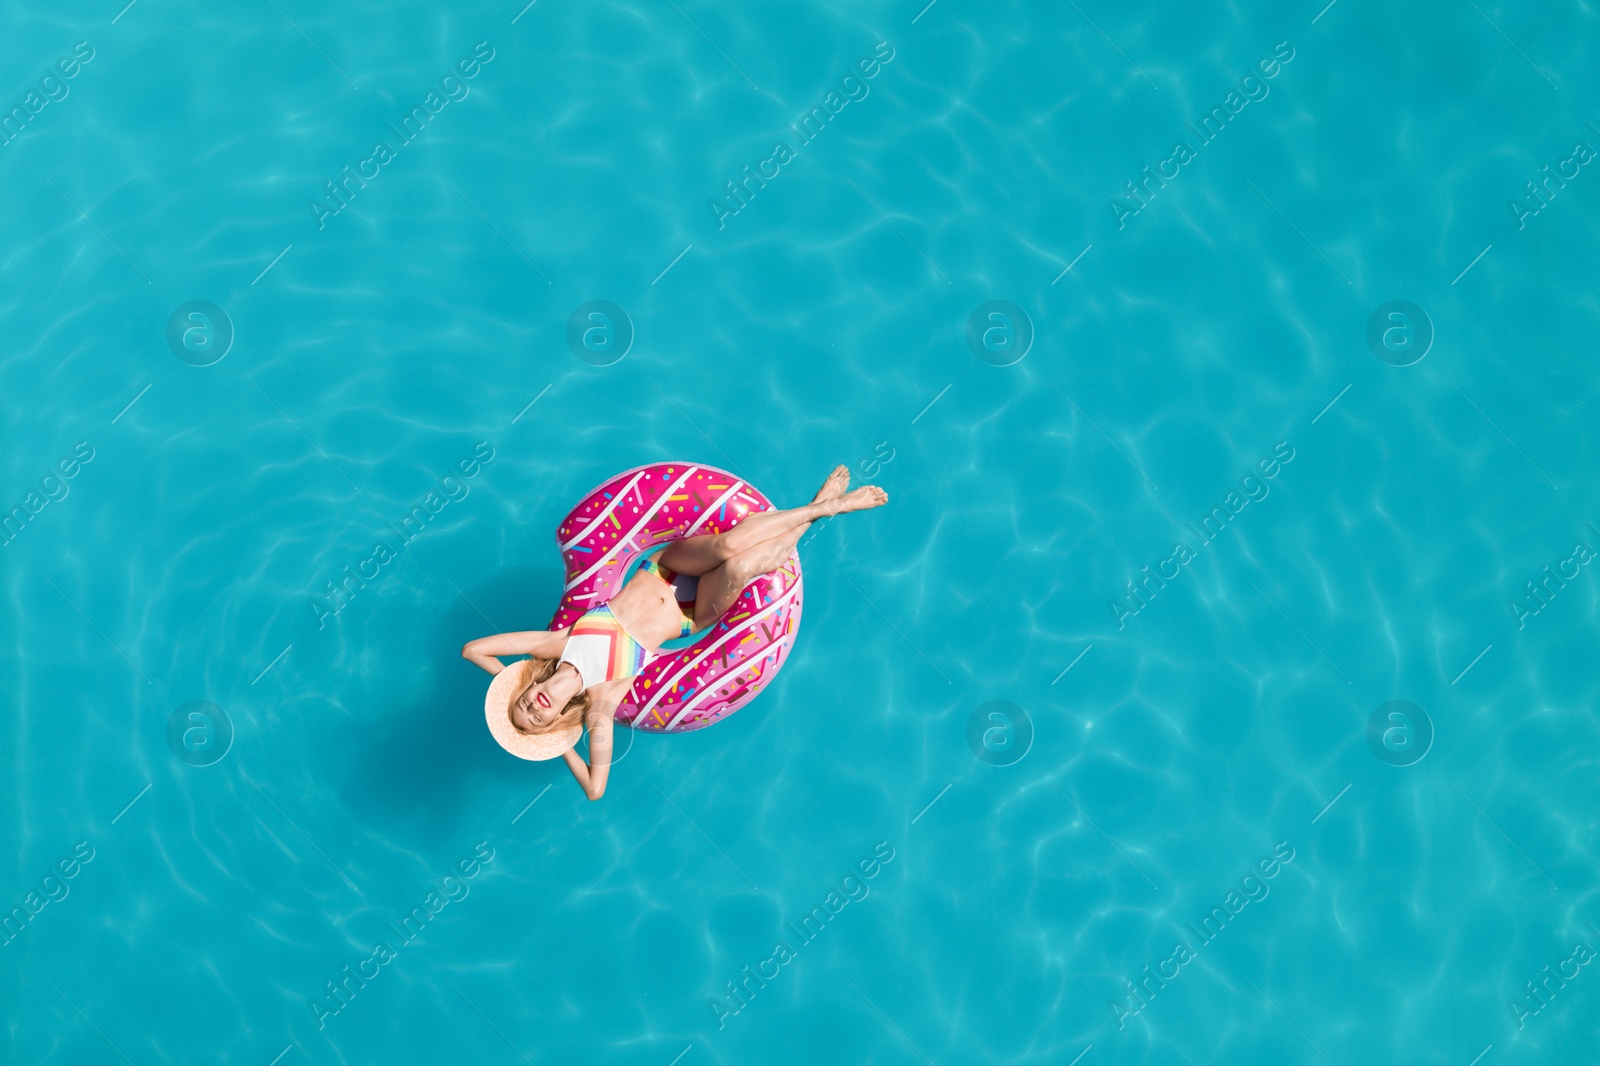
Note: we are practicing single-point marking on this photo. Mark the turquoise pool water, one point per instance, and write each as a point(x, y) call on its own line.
point(1229, 380)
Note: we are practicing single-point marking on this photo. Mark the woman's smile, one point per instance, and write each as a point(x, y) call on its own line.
point(535, 712)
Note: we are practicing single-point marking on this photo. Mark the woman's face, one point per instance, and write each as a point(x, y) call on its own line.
point(541, 704)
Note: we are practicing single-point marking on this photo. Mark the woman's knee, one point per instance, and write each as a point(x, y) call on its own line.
point(738, 571)
point(694, 556)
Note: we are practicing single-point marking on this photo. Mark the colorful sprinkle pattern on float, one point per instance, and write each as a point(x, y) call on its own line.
point(733, 660)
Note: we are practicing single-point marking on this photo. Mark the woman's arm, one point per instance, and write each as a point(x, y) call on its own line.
point(601, 720)
point(540, 643)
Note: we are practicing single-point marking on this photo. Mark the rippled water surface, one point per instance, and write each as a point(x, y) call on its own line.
point(1086, 752)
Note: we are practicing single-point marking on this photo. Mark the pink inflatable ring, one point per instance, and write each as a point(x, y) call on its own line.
point(733, 660)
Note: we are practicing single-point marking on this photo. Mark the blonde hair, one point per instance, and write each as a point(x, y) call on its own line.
point(533, 672)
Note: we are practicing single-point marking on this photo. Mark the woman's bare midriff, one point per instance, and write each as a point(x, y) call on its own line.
point(647, 608)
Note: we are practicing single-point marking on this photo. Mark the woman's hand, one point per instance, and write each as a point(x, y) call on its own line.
point(600, 720)
point(472, 651)
point(580, 770)
point(540, 643)
point(592, 775)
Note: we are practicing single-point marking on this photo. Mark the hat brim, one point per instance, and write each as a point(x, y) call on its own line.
point(496, 707)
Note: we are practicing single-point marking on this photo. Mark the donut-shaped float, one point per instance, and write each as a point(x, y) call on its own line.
point(733, 660)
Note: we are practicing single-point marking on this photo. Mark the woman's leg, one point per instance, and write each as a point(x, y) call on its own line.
point(700, 555)
point(721, 585)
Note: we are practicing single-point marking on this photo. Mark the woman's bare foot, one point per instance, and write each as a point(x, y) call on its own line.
point(835, 484)
point(864, 498)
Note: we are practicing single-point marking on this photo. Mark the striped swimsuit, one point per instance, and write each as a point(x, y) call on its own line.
point(601, 650)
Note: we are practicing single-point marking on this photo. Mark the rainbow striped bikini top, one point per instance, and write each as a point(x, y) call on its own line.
point(601, 650)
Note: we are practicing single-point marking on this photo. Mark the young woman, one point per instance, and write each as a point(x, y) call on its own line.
point(576, 677)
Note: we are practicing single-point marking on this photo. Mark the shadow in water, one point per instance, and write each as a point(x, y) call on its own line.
point(421, 762)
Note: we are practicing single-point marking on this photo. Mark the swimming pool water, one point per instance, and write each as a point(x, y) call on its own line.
point(1217, 686)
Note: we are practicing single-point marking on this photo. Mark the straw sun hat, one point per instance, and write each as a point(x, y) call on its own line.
point(497, 704)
